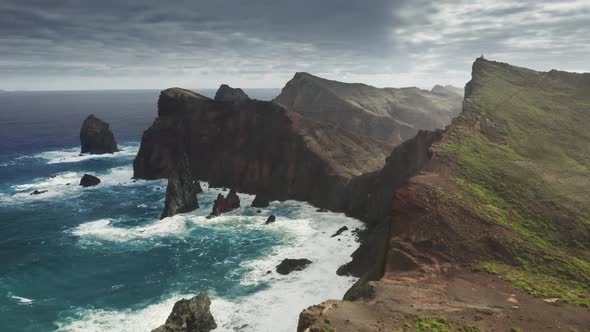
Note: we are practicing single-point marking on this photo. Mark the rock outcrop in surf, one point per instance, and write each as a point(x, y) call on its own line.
point(191, 315)
point(96, 137)
point(225, 204)
point(89, 180)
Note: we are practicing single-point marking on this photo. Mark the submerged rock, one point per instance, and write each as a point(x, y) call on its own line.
point(191, 315)
point(229, 94)
point(340, 231)
point(260, 201)
point(96, 137)
point(271, 219)
point(38, 192)
point(89, 180)
point(321, 210)
point(289, 265)
point(181, 191)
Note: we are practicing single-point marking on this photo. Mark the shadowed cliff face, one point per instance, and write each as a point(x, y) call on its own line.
point(256, 147)
point(390, 115)
point(96, 137)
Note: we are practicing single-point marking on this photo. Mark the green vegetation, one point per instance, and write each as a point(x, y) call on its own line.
point(522, 147)
point(439, 324)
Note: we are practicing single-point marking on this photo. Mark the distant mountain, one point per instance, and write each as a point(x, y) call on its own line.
point(447, 90)
point(389, 115)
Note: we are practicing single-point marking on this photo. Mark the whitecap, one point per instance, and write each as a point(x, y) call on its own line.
point(22, 300)
point(72, 155)
point(105, 229)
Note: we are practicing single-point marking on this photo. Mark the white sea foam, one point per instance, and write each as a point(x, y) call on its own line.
point(105, 229)
point(127, 320)
point(72, 155)
point(67, 183)
point(274, 308)
point(22, 300)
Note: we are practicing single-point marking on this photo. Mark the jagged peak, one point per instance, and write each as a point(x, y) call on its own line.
point(229, 94)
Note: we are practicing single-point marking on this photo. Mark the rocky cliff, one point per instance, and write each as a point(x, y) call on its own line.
point(504, 191)
point(389, 115)
point(256, 147)
point(96, 137)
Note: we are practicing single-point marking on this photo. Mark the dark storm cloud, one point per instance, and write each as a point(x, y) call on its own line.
point(145, 43)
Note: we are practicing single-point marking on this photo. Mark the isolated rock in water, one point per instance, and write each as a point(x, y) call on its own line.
point(321, 210)
point(96, 137)
point(229, 94)
point(225, 204)
point(181, 192)
point(89, 180)
point(191, 315)
point(271, 219)
point(289, 265)
point(338, 232)
point(260, 201)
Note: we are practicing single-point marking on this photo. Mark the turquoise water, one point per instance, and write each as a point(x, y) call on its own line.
point(98, 259)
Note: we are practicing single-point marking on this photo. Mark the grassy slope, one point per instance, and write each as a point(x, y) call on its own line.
point(522, 146)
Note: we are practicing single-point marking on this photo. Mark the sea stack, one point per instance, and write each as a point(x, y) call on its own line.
point(226, 93)
point(96, 137)
point(181, 192)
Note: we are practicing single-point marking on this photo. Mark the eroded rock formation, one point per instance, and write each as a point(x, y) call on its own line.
point(96, 137)
point(225, 204)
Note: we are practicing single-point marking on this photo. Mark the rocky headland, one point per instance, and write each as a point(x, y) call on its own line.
point(480, 234)
point(456, 219)
point(96, 137)
point(256, 147)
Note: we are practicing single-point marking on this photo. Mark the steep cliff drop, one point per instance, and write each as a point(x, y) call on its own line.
point(489, 201)
point(390, 115)
point(96, 137)
point(256, 147)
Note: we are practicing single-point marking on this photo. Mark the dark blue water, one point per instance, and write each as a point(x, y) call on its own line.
point(98, 259)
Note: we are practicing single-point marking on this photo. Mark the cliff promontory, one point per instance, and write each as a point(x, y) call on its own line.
point(256, 147)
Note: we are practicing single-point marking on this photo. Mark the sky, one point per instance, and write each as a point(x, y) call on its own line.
point(147, 44)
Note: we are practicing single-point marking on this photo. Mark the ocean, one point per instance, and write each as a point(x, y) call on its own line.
point(98, 258)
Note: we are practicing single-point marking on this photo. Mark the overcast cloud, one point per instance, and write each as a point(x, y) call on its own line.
point(108, 44)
